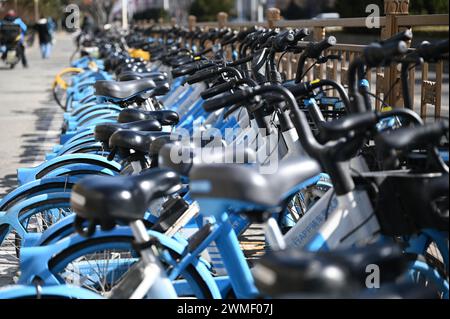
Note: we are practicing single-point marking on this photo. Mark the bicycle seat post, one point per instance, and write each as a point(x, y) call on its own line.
point(160, 286)
point(141, 236)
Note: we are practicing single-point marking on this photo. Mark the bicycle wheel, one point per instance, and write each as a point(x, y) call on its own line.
point(34, 215)
point(39, 187)
point(60, 85)
point(100, 264)
point(40, 216)
point(40, 221)
point(86, 149)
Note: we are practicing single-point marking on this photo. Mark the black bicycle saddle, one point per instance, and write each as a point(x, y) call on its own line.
point(166, 118)
point(123, 90)
point(103, 132)
point(107, 201)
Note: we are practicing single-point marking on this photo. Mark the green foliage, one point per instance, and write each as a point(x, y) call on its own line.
point(207, 10)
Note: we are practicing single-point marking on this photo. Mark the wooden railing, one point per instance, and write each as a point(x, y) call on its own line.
point(385, 82)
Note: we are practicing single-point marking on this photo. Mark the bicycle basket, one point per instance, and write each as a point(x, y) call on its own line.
point(406, 203)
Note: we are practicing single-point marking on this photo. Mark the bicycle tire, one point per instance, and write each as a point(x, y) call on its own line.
point(63, 259)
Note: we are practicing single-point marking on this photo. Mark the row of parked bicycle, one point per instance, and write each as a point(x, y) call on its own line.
point(164, 164)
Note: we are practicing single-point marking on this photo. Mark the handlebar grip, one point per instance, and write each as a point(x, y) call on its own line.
point(264, 37)
point(223, 33)
point(202, 76)
point(299, 89)
point(182, 71)
point(431, 133)
point(191, 68)
point(243, 34)
point(316, 49)
point(301, 34)
point(282, 40)
point(406, 138)
point(405, 36)
point(185, 69)
point(376, 54)
point(353, 122)
point(435, 51)
point(218, 89)
point(213, 105)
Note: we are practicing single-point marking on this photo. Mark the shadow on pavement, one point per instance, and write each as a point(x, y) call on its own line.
point(34, 146)
point(7, 184)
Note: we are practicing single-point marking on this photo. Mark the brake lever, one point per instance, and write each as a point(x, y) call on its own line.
point(325, 59)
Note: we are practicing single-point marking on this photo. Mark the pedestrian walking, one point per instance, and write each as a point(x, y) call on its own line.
point(42, 28)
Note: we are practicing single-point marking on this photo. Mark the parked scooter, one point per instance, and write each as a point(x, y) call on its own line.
point(10, 35)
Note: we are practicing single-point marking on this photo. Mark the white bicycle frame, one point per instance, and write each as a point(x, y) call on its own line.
point(148, 278)
point(336, 222)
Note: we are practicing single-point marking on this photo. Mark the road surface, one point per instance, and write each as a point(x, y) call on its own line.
point(29, 123)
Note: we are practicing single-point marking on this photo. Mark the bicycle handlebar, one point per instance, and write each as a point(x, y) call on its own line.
point(299, 119)
point(211, 73)
point(406, 138)
point(203, 75)
point(219, 89)
point(216, 104)
point(301, 34)
point(191, 68)
point(227, 86)
point(281, 41)
point(405, 36)
point(432, 52)
point(314, 50)
point(378, 54)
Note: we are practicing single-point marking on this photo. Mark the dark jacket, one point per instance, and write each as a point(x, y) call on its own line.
point(20, 23)
point(43, 32)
